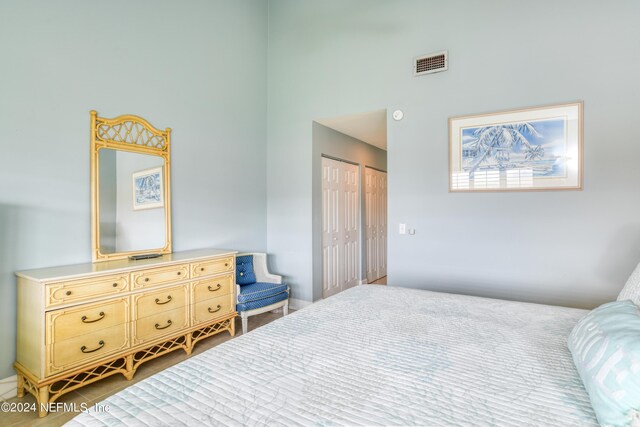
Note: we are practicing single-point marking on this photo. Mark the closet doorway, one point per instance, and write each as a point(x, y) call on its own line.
point(340, 225)
point(345, 149)
point(375, 224)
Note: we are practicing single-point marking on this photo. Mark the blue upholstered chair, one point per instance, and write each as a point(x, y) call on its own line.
point(258, 290)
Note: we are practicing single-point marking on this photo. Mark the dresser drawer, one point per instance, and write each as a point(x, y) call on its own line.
point(211, 288)
point(159, 313)
point(215, 266)
point(159, 276)
point(83, 349)
point(159, 301)
point(212, 308)
point(158, 325)
point(66, 292)
point(86, 320)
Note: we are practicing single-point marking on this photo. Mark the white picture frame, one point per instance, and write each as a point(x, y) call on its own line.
point(148, 189)
point(531, 149)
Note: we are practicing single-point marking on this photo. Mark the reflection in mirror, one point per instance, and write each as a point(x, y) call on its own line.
point(131, 201)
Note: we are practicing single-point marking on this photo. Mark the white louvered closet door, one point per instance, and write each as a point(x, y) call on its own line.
point(340, 226)
point(376, 224)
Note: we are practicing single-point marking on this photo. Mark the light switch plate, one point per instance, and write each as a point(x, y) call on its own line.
point(403, 229)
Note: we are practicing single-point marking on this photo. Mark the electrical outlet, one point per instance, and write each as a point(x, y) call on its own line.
point(403, 229)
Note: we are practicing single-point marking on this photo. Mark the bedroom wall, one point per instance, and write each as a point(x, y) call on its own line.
point(327, 141)
point(337, 57)
point(185, 65)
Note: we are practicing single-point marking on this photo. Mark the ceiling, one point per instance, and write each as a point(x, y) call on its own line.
point(369, 127)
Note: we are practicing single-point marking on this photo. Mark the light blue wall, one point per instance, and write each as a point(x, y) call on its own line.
point(334, 57)
point(189, 65)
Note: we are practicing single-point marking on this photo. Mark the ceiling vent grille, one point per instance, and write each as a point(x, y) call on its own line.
point(432, 63)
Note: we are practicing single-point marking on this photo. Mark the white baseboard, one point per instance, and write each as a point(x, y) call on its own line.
point(297, 304)
point(9, 387)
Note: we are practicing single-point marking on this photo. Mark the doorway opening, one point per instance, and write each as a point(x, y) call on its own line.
point(349, 202)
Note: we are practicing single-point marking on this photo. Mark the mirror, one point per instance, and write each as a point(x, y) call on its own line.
point(130, 192)
point(131, 201)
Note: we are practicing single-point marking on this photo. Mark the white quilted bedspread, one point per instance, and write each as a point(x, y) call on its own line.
point(375, 355)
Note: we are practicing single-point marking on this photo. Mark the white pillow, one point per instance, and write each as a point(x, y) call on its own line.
point(631, 289)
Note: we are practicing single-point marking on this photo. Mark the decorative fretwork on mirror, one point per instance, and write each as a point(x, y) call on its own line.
point(130, 188)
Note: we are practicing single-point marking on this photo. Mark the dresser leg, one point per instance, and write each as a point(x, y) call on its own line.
point(20, 390)
point(232, 327)
point(129, 361)
point(188, 344)
point(43, 401)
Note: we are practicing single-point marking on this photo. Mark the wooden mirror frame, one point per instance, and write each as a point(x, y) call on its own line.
point(135, 135)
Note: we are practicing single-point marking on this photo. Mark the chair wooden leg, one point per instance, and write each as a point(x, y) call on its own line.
point(245, 325)
point(285, 308)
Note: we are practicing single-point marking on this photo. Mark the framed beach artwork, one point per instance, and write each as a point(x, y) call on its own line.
point(531, 149)
point(147, 189)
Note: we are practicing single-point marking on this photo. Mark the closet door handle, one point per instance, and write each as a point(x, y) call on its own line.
point(216, 310)
point(165, 302)
point(84, 347)
point(163, 327)
point(84, 318)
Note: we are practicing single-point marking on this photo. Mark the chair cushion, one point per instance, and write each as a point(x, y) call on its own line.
point(262, 302)
point(244, 270)
point(256, 291)
point(606, 352)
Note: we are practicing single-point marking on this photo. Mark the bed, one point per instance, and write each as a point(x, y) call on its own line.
point(375, 355)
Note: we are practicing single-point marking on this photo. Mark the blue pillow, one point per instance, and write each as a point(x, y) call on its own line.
point(244, 270)
point(605, 345)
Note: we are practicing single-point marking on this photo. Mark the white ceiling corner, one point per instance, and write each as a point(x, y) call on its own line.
point(370, 127)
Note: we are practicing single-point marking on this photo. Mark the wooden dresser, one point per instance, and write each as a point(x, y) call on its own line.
point(81, 323)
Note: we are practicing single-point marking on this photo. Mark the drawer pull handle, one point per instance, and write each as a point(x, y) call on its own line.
point(165, 302)
point(217, 288)
point(216, 310)
point(84, 318)
point(201, 268)
point(179, 273)
point(226, 264)
point(115, 285)
point(68, 293)
point(146, 279)
point(163, 327)
point(84, 347)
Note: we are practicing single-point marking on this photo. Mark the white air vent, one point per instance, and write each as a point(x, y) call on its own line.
point(432, 63)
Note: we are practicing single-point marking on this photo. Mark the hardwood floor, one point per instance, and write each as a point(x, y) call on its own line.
point(100, 390)
point(380, 281)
